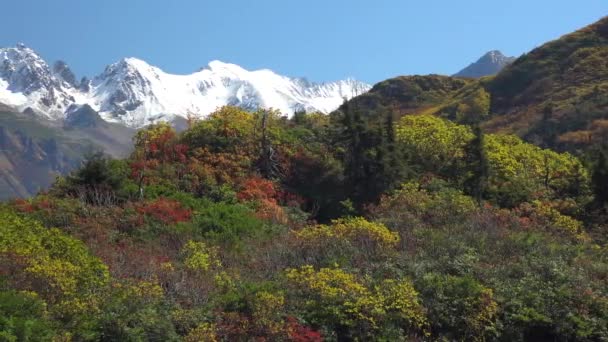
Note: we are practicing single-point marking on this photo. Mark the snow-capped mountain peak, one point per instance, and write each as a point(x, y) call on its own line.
point(497, 57)
point(135, 93)
point(27, 81)
point(23, 69)
point(218, 66)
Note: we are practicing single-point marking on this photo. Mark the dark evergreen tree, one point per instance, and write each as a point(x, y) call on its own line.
point(267, 162)
point(96, 181)
point(299, 117)
point(477, 165)
point(397, 168)
point(600, 177)
point(354, 158)
point(95, 171)
point(373, 164)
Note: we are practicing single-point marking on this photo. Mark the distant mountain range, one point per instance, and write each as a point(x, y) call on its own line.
point(134, 93)
point(489, 64)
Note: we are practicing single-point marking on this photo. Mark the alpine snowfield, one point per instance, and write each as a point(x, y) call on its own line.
point(134, 93)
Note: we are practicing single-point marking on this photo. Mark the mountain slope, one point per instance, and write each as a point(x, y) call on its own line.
point(135, 93)
point(33, 151)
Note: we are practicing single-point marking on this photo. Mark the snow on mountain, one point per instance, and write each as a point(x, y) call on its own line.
point(27, 81)
point(135, 93)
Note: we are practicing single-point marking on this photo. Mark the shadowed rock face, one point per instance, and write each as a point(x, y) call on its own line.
point(489, 64)
point(61, 69)
point(29, 164)
point(34, 151)
point(82, 116)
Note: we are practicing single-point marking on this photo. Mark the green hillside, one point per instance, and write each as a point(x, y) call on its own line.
point(554, 96)
point(556, 93)
point(409, 94)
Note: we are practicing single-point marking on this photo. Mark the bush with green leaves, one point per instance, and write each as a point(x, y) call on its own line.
point(24, 317)
point(517, 171)
point(459, 308)
point(225, 222)
point(55, 266)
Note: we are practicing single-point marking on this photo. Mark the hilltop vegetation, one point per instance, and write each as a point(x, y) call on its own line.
point(410, 94)
point(354, 226)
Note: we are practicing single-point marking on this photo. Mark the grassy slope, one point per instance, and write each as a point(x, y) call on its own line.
point(559, 87)
point(410, 94)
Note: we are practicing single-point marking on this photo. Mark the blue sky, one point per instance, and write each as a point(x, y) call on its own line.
point(320, 39)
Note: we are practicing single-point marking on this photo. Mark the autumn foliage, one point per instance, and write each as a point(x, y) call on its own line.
point(253, 226)
point(165, 210)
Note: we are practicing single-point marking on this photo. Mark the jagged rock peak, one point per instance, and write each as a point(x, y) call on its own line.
point(488, 64)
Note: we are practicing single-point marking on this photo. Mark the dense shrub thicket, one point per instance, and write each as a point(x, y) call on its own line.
point(354, 226)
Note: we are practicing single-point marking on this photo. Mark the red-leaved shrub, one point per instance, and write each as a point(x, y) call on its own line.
point(166, 211)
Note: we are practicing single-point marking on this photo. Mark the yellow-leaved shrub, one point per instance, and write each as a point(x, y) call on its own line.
point(339, 300)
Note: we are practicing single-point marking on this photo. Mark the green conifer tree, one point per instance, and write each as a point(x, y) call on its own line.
point(600, 177)
point(477, 165)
